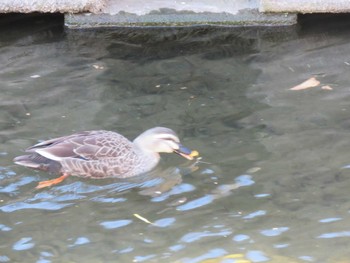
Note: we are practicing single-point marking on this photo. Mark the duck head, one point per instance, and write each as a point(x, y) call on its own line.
point(161, 139)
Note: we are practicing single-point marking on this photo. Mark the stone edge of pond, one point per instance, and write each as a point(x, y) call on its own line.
point(247, 17)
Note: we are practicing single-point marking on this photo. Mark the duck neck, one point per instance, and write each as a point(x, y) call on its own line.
point(148, 159)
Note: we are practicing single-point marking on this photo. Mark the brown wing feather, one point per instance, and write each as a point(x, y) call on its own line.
point(89, 145)
point(76, 136)
point(107, 145)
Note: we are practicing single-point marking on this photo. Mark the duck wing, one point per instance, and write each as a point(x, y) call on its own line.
point(87, 145)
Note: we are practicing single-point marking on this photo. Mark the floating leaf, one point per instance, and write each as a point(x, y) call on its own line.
point(310, 83)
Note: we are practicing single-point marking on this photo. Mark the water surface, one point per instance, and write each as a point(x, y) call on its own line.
point(273, 182)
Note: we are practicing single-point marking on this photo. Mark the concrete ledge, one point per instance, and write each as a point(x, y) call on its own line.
point(173, 18)
point(163, 13)
point(178, 13)
point(52, 6)
point(158, 13)
point(305, 6)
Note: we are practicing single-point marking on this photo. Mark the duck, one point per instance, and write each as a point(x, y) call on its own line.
point(102, 154)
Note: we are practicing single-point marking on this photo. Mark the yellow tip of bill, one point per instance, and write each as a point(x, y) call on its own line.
point(194, 153)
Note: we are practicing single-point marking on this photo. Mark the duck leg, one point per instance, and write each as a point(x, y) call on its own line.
point(52, 182)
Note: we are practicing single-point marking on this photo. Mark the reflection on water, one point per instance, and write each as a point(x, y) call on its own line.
point(272, 184)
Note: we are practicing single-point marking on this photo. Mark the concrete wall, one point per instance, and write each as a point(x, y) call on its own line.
point(110, 13)
point(305, 6)
point(51, 6)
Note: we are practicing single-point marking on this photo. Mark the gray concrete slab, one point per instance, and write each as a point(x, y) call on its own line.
point(51, 6)
point(303, 6)
point(115, 13)
point(178, 13)
point(139, 7)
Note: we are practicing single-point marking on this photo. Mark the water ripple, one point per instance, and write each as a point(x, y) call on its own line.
point(115, 224)
point(176, 190)
point(143, 258)
point(199, 202)
point(13, 187)
point(80, 241)
point(23, 244)
point(5, 228)
point(329, 220)
point(4, 259)
point(255, 214)
point(244, 180)
point(211, 254)
point(42, 205)
point(276, 231)
point(164, 222)
point(240, 238)
point(257, 256)
point(195, 236)
point(335, 234)
point(102, 199)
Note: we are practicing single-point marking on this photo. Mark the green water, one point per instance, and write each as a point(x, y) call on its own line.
point(272, 184)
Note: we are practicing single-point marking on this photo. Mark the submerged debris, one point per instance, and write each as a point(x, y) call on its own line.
point(96, 66)
point(253, 170)
point(143, 219)
point(326, 87)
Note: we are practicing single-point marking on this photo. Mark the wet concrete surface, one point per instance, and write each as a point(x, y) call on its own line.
point(178, 13)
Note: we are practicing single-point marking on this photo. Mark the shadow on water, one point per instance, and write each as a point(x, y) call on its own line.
point(35, 28)
point(268, 187)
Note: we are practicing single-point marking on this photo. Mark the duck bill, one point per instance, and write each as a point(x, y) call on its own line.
point(185, 152)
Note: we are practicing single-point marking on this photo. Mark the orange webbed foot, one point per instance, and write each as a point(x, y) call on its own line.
point(52, 182)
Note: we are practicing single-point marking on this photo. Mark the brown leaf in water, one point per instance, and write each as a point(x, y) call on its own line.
point(310, 83)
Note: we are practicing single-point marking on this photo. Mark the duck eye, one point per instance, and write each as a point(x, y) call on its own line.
point(171, 139)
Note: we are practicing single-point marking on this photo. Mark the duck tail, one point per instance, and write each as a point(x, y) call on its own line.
point(37, 162)
point(27, 161)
